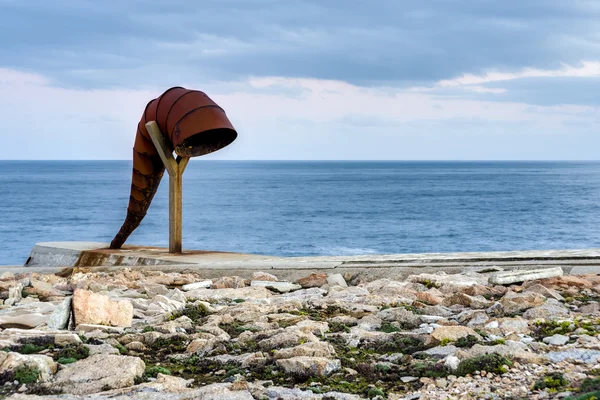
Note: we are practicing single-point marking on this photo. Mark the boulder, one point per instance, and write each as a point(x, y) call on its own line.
point(463, 299)
point(11, 362)
point(229, 282)
point(549, 310)
point(337, 280)
point(432, 297)
point(544, 291)
point(264, 276)
point(313, 280)
point(563, 282)
point(556, 340)
point(515, 303)
point(99, 309)
point(99, 373)
point(515, 350)
point(451, 333)
point(401, 315)
point(311, 349)
point(304, 367)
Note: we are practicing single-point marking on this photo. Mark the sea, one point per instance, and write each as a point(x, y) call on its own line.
point(287, 208)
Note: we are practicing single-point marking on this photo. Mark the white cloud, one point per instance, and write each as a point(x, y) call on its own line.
point(320, 119)
point(585, 69)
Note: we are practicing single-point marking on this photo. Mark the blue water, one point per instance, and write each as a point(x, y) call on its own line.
point(312, 208)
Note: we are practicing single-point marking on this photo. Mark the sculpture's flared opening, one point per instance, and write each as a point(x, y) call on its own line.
point(206, 142)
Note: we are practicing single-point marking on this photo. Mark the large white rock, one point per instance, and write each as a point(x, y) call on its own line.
point(99, 373)
point(337, 279)
point(99, 309)
point(506, 278)
point(196, 285)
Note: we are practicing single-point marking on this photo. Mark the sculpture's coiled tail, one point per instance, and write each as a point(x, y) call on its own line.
point(193, 124)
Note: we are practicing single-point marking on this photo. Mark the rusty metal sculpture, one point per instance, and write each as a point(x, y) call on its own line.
point(187, 122)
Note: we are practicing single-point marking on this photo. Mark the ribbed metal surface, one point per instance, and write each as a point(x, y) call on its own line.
point(194, 125)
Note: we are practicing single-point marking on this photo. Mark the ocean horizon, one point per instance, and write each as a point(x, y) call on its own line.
point(297, 208)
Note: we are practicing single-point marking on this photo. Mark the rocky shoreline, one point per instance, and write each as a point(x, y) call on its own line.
point(154, 335)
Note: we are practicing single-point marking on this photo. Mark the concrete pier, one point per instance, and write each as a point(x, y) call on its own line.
point(57, 256)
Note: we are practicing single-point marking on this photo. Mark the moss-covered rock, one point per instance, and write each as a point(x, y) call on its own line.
point(494, 362)
point(553, 381)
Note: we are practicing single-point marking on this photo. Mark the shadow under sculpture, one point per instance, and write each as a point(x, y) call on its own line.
point(183, 121)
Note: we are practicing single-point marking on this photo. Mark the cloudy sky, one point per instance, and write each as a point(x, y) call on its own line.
point(308, 79)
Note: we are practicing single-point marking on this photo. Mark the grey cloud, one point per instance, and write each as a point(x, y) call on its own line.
point(137, 43)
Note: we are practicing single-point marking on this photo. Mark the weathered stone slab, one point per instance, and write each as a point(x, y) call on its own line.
point(506, 278)
point(99, 373)
point(26, 316)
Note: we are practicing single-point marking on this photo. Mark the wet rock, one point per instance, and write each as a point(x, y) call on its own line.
point(99, 309)
point(304, 367)
point(11, 362)
point(99, 373)
point(313, 280)
point(196, 285)
point(59, 319)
